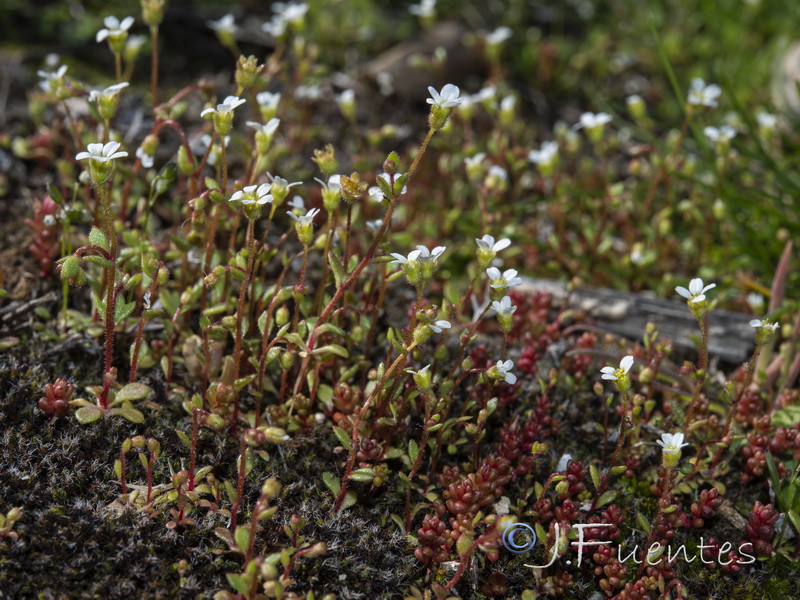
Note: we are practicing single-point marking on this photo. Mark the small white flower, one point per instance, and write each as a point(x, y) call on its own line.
point(225, 25)
point(426, 255)
point(268, 100)
point(51, 78)
point(487, 93)
point(447, 98)
point(268, 128)
point(590, 120)
point(227, 106)
point(633, 99)
point(375, 194)
point(487, 243)
point(308, 93)
point(306, 219)
point(399, 259)
point(473, 162)
point(113, 27)
point(280, 182)
point(102, 153)
point(275, 27)
point(422, 371)
point(504, 307)
point(334, 182)
point(755, 300)
point(671, 442)
point(135, 44)
point(722, 134)
point(297, 203)
point(345, 98)
point(504, 371)
point(696, 291)
point(205, 141)
point(701, 94)
point(503, 280)
point(107, 93)
point(426, 8)
point(498, 173)
point(146, 159)
point(766, 120)
point(253, 194)
point(612, 374)
point(438, 326)
point(375, 225)
point(291, 12)
point(545, 155)
point(763, 323)
point(508, 104)
point(498, 36)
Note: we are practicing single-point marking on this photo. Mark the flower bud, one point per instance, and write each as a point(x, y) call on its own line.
point(215, 422)
point(287, 360)
point(353, 188)
point(247, 70)
point(276, 435)
point(271, 488)
point(326, 160)
point(392, 164)
point(153, 12)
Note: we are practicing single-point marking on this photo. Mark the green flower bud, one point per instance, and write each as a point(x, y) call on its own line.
point(353, 188)
point(326, 160)
point(271, 488)
point(247, 70)
point(152, 12)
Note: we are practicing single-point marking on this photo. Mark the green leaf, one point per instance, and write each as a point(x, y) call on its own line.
point(230, 489)
point(595, 476)
point(795, 520)
point(98, 238)
point(238, 582)
point(643, 522)
point(133, 392)
point(350, 498)
point(88, 414)
point(182, 436)
point(98, 304)
point(787, 417)
point(55, 194)
point(337, 269)
point(333, 349)
point(225, 534)
point(122, 310)
point(128, 412)
point(170, 301)
point(99, 261)
point(606, 498)
point(262, 322)
point(464, 543)
point(242, 537)
point(413, 450)
point(344, 439)
point(385, 187)
point(331, 482)
point(364, 475)
point(330, 327)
